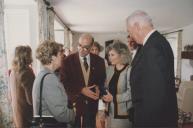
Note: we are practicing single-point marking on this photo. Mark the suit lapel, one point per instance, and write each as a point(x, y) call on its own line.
point(142, 49)
point(92, 69)
point(137, 56)
point(78, 66)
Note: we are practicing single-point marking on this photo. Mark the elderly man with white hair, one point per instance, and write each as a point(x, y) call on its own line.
point(152, 76)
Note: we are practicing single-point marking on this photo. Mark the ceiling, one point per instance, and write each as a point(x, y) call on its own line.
point(101, 16)
point(110, 15)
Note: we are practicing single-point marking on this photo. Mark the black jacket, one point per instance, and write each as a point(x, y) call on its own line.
point(153, 86)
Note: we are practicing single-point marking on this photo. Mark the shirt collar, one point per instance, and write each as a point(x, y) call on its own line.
point(87, 58)
point(147, 36)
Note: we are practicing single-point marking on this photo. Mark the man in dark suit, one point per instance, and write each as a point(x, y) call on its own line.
point(152, 76)
point(83, 76)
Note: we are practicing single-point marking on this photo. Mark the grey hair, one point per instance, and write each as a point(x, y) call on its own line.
point(121, 49)
point(140, 17)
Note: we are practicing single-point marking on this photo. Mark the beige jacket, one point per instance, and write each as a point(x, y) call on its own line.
point(123, 96)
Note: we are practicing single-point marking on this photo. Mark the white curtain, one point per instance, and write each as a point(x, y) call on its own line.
point(66, 38)
point(5, 119)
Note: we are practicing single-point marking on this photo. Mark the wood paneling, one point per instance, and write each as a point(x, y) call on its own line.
point(187, 55)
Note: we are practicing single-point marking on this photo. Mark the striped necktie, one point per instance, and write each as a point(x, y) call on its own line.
point(85, 63)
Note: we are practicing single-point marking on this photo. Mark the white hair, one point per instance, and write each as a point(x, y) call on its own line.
point(140, 17)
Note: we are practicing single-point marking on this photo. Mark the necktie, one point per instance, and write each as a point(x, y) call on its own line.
point(85, 63)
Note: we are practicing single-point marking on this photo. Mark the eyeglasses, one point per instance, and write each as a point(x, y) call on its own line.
point(85, 48)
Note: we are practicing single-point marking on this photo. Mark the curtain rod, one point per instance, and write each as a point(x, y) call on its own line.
point(49, 7)
point(172, 32)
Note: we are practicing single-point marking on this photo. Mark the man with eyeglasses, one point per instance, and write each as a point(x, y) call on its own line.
point(83, 76)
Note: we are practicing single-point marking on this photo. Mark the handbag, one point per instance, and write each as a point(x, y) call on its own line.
point(45, 121)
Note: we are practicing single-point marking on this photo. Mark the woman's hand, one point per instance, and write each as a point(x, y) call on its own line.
point(108, 97)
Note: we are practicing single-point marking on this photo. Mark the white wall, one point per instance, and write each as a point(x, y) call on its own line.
point(58, 32)
point(21, 28)
point(187, 65)
point(75, 37)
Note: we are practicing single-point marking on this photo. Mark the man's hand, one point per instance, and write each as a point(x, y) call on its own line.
point(108, 97)
point(89, 93)
point(97, 90)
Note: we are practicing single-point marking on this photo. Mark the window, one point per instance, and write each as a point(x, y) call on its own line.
point(175, 41)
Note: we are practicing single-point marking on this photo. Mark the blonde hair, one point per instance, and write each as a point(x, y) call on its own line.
point(46, 50)
point(122, 50)
point(22, 58)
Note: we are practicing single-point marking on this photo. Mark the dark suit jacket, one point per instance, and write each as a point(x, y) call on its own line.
point(152, 84)
point(73, 80)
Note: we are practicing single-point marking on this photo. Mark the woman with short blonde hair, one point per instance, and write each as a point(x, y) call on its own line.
point(54, 98)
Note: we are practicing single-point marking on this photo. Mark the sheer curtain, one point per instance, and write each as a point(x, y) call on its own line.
point(5, 115)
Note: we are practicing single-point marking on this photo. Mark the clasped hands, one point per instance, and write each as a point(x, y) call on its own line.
point(87, 91)
point(95, 95)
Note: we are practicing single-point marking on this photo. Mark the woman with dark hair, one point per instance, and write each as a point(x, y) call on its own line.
point(21, 83)
point(96, 48)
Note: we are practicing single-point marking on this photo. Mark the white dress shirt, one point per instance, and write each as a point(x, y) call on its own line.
point(147, 36)
point(87, 59)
